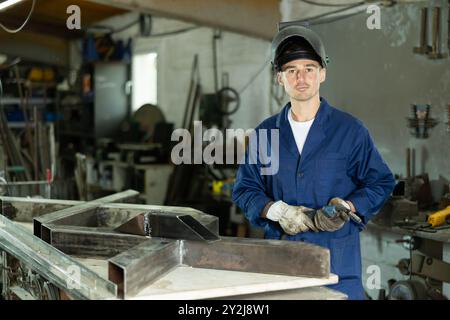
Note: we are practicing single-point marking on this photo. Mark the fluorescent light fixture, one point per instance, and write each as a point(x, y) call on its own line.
point(8, 3)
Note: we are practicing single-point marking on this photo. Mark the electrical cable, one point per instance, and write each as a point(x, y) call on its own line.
point(169, 33)
point(326, 14)
point(321, 4)
point(125, 27)
point(253, 78)
point(23, 24)
point(113, 31)
point(329, 20)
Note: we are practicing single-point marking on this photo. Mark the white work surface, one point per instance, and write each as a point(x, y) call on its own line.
point(187, 283)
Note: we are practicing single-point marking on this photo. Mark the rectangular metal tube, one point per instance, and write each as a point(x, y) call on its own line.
point(108, 214)
point(169, 226)
point(90, 242)
point(262, 256)
point(138, 267)
point(64, 213)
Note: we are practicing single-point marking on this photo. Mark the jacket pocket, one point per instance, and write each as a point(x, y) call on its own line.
point(330, 169)
point(345, 256)
point(329, 179)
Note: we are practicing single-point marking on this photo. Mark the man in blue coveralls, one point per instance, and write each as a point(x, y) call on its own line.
point(326, 156)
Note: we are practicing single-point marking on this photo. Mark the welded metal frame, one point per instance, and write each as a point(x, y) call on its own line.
point(65, 215)
point(138, 267)
point(52, 264)
point(135, 260)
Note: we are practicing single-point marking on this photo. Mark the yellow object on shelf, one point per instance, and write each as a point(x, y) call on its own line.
point(439, 218)
point(41, 75)
point(217, 187)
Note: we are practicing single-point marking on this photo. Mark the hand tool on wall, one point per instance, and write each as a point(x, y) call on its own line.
point(435, 47)
point(421, 121)
point(423, 48)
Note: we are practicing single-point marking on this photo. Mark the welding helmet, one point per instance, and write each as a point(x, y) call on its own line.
point(297, 42)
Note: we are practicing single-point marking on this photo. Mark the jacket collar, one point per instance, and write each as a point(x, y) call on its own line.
point(321, 116)
point(315, 136)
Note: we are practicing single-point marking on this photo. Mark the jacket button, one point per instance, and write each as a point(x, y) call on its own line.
point(301, 174)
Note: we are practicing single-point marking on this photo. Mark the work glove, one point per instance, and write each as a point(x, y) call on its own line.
point(293, 219)
point(333, 216)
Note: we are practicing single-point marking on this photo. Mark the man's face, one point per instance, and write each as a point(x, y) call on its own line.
point(301, 79)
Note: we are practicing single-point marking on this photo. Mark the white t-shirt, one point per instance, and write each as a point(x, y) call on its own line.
point(300, 130)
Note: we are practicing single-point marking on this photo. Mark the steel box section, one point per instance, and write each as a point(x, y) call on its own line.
point(256, 255)
point(81, 208)
point(138, 267)
point(107, 215)
point(168, 226)
point(89, 242)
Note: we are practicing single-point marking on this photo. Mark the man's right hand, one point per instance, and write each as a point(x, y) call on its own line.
point(293, 219)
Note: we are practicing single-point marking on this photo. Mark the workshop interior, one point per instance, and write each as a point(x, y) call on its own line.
point(98, 97)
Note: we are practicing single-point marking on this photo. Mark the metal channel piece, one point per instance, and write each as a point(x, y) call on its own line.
point(256, 255)
point(135, 269)
point(198, 229)
point(169, 226)
point(90, 242)
point(108, 214)
point(67, 212)
point(54, 265)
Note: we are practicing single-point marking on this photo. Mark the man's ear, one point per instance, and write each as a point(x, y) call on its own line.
point(280, 79)
point(323, 74)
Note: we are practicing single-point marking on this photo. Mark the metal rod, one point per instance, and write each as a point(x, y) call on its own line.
point(408, 163)
point(36, 144)
point(216, 35)
point(27, 183)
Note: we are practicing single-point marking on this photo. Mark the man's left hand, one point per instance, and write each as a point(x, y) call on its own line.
point(332, 217)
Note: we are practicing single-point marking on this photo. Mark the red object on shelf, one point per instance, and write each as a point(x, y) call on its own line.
point(49, 175)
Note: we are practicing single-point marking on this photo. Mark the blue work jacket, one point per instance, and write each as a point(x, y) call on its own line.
point(339, 159)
